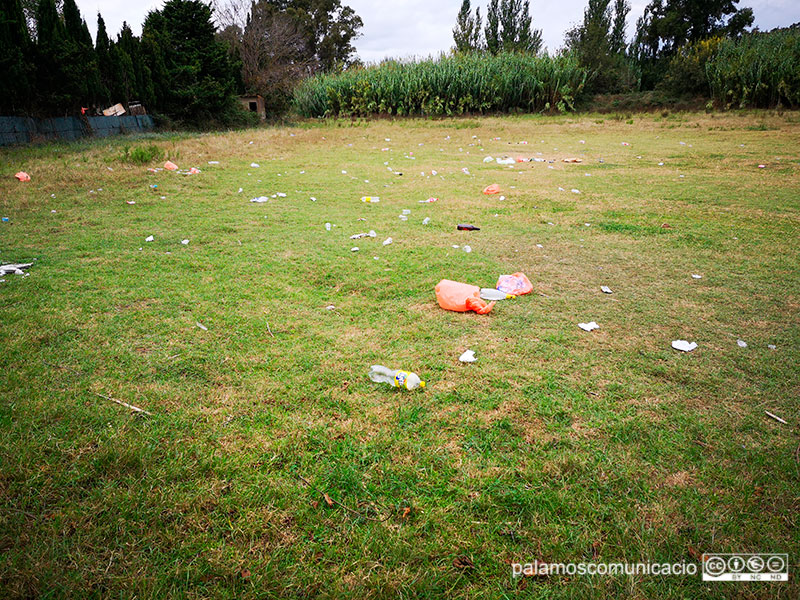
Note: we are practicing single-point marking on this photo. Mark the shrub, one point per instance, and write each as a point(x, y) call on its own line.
point(142, 154)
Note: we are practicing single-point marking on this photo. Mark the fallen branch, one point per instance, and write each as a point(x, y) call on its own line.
point(125, 404)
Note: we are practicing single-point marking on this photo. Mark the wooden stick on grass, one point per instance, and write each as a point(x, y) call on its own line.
point(126, 405)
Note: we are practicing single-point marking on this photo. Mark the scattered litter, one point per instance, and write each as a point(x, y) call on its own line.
point(683, 345)
point(465, 170)
point(370, 199)
point(427, 201)
point(358, 236)
point(131, 202)
point(406, 211)
point(194, 171)
point(590, 326)
point(776, 417)
point(328, 226)
point(575, 191)
point(149, 238)
point(201, 326)
point(260, 199)
point(213, 162)
point(387, 241)
point(572, 160)
point(696, 276)
point(330, 307)
point(403, 379)
point(354, 249)
point(762, 166)
point(467, 357)
point(185, 242)
point(491, 189)
point(255, 165)
point(741, 343)
point(493, 294)
point(467, 249)
point(605, 289)
point(467, 227)
point(516, 284)
point(23, 176)
point(170, 166)
point(426, 220)
point(403, 217)
point(488, 159)
point(772, 346)
point(461, 297)
point(240, 191)
point(505, 161)
point(14, 268)
point(280, 194)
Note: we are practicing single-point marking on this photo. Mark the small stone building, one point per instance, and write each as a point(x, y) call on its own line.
point(254, 104)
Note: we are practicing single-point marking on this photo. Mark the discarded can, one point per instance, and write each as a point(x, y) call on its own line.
point(466, 227)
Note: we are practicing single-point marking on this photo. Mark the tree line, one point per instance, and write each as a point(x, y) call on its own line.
point(188, 65)
point(652, 58)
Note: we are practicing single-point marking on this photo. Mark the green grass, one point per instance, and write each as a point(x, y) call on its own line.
point(556, 445)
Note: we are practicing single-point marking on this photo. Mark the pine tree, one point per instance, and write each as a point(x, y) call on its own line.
point(14, 59)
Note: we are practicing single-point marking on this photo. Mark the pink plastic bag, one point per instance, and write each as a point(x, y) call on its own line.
point(170, 166)
point(491, 189)
point(23, 176)
point(514, 285)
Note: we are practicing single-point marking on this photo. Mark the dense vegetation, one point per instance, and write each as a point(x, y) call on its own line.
point(451, 85)
point(759, 70)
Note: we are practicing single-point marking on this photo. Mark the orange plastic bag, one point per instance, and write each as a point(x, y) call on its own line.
point(461, 297)
point(491, 189)
point(23, 176)
point(170, 166)
point(514, 285)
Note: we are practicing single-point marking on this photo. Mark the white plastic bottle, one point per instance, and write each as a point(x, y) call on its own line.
point(403, 379)
point(492, 294)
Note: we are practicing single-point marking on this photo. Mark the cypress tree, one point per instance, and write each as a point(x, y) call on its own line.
point(50, 97)
point(14, 52)
point(102, 50)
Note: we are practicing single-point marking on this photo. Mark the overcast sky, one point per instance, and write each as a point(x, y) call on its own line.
point(403, 28)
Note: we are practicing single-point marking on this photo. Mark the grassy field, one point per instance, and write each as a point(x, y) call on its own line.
point(272, 466)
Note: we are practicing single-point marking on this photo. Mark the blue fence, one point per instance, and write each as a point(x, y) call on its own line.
point(22, 130)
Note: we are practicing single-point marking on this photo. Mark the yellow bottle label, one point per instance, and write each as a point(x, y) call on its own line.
point(400, 379)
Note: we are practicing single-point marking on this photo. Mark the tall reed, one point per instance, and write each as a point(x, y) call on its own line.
point(450, 85)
